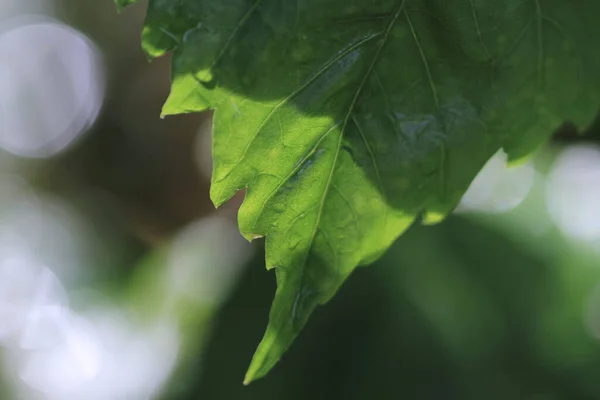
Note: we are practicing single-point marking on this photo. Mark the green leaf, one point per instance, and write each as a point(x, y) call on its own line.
point(346, 120)
point(121, 4)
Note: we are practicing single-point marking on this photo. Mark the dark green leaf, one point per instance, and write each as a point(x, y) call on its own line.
point(348, 119)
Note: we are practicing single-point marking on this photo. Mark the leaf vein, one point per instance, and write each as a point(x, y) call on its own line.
point(238, 26)
point(293, 172)
point(294, 94)
point(425, 62)
point(540, 39)
point(344, 126)
point(479, 34)
point(349, 203)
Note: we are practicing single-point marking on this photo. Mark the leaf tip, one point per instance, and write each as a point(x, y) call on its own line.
point(165, 113)
point(519, 159)
point(149, 57)
point(219, 193)
point(259, 366)
point(432, 218)
point(268, 353)
point(249, 236)
point(251, 374)
point(248, 379)
point(217, 202)
point(122, 4)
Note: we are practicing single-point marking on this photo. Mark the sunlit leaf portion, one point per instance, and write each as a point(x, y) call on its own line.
point(348, 119)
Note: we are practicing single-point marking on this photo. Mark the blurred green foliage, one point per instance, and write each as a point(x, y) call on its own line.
point(457, 311)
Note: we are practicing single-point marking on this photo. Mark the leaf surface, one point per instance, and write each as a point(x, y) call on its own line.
point(346, 120)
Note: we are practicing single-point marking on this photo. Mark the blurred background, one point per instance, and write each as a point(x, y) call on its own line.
point(119, 280)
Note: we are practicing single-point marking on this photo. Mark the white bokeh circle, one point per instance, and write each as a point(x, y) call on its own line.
point(51, 86)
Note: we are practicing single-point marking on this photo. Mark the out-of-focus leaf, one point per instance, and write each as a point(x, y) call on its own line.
point(346, 120)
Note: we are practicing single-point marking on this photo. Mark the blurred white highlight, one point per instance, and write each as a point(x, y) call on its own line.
point(104, 351)
point(204, 260)
point(103, 356)
point(573, 192)
point(51, 86)
point(498, 188)
point(31, 300)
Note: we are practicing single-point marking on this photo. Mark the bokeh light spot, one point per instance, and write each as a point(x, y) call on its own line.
point(573, 192)
point(51, 86)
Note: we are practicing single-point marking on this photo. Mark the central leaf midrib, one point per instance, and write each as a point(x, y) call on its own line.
point(347, 118)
